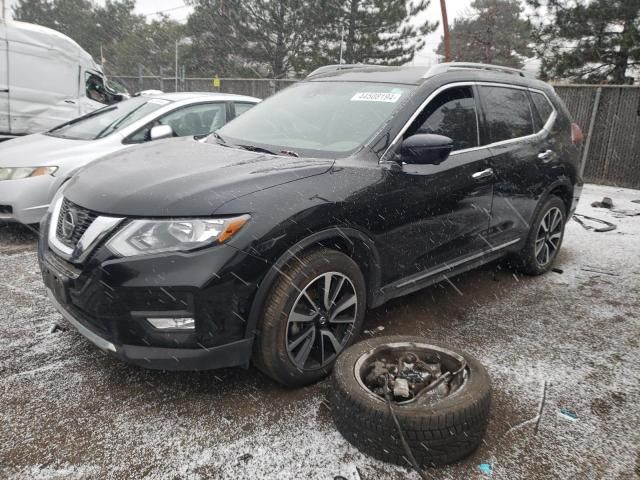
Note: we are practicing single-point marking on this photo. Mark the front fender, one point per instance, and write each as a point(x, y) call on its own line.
point(358, 245)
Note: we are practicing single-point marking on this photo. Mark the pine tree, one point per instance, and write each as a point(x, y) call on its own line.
point(276, 32)
point(590, 41)
point(493, 31)
point(74, 18)
point(110, 32)
point(215, 41)
point(369, 31)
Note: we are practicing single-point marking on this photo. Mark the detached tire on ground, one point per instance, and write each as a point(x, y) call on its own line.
point(438, 432)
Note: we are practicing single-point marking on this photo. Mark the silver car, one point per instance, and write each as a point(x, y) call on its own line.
point(32, 168)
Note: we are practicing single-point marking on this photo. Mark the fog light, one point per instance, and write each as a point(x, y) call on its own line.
point(167, 323)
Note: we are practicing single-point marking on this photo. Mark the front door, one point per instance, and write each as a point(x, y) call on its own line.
point(440, 213)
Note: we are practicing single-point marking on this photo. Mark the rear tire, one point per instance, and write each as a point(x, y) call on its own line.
point(303, 329)
point(544, 239)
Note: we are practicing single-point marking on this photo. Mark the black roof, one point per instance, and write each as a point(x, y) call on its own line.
point(457, 71)
point(374, 74)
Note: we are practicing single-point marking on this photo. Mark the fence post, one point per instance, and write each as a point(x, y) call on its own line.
point(161, 79)
point(140, 80)
point(592, 122)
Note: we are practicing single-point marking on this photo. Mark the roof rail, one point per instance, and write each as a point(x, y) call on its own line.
point(337, 67)
point(448, 66)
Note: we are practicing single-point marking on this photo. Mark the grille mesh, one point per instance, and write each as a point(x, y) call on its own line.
point(83, 218)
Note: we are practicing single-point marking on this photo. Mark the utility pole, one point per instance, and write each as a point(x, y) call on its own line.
point(4, 7)
point(341, 43)
point(445, 25)
point(176, 86)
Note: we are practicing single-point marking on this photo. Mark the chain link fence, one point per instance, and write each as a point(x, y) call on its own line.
point(610, 118)
point(255, 87)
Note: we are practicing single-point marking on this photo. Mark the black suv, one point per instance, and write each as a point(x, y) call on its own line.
point(267, 241)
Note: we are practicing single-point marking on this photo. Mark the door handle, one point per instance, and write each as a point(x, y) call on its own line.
point(546, 155)
point(483, 174)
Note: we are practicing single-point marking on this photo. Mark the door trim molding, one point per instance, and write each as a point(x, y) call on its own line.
point(450, 266)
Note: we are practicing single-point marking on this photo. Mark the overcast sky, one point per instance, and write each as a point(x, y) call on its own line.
point(179, 11)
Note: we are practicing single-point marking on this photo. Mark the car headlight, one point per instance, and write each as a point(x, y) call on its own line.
point(141, 237)
point(17, 173)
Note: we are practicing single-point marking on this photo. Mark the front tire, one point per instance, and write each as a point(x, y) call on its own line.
point(544, 239)
point(314, 311)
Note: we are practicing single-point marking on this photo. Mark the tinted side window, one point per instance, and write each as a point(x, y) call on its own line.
point(200, 119)
point(242, 107)
point(507, 112)
point(542, 106)
point(94, 88)
point(452, 114)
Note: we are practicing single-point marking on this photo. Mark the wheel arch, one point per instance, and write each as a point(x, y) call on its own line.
point(563, 190)
point(352, 242)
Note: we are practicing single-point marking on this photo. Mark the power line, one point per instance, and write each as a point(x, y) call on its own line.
point(166, 10)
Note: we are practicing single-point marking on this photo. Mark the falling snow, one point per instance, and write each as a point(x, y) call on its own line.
point(562, 343)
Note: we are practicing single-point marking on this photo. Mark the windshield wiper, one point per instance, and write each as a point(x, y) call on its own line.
point(53, 131)
point(112, 127)
point(254, 148)
point(220, 140)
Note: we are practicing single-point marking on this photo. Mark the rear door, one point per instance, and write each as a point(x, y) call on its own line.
point(510, 131)
point(4, 81)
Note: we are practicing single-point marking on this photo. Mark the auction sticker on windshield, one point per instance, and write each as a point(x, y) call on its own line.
point(376, 97)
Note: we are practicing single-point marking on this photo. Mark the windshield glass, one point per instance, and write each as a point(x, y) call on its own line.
point(324, 118)
point(107, 120)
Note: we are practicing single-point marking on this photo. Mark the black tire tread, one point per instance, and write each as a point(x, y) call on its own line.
point(524, 261)
point(436, 436)
point(265, 350)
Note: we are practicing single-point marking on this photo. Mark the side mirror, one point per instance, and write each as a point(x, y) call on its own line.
point(426, 148)
point(160, 131)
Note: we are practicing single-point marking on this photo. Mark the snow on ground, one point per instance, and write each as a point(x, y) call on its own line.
point(567, 340)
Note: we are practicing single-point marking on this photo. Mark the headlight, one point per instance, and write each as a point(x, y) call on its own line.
point(16, 173)
point(141, 237)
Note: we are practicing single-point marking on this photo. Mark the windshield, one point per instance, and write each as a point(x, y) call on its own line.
point(108, 120)
point(324, 118)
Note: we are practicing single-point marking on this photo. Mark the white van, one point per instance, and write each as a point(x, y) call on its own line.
point(45, 79)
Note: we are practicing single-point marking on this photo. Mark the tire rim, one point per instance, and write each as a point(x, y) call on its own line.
point(549, 236)
point(321, 321)
point(450, 361)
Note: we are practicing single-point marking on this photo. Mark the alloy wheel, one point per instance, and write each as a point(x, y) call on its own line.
point(321, 321)
point(549, 236)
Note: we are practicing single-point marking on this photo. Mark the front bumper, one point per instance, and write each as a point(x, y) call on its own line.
point(229, 355)
point(108, 300)
point(26, 200)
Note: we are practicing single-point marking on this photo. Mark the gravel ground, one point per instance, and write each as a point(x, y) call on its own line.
point(566, 340)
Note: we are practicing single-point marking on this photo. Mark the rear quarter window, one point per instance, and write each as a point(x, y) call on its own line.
point(508, 113)
point(542, 106)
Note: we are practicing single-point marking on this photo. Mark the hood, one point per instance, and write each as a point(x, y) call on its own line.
point(182, 177)
point(41, 150)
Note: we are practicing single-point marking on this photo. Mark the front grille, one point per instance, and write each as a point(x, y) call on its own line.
point(6, 209)
point(71, 233)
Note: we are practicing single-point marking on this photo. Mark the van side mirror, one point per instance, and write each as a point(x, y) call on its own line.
point(426, 148)
point(160, 131)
